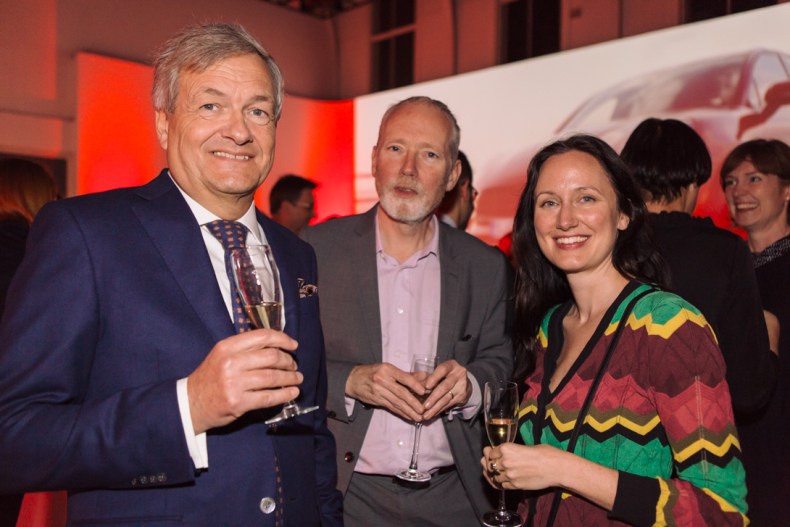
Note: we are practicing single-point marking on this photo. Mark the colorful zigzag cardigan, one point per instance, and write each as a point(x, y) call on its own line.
point(661, 416)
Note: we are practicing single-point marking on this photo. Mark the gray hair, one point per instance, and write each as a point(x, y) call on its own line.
point(455, 139)
point(197, 48)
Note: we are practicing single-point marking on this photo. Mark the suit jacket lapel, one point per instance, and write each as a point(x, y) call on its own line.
point(451, 283)
point(288, 279)
point(172, 227)
point(363, 250)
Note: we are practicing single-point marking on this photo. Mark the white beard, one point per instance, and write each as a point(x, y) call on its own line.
point(412, 210)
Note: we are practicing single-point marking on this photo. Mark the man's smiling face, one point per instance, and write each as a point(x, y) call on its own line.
point(220, 137)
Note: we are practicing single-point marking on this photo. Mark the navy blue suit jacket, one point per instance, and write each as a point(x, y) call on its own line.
point(115, 300)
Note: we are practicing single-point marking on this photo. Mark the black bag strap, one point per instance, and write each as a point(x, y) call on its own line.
point(555, 503)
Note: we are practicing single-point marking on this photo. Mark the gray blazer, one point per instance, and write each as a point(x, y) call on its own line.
point(474, 329)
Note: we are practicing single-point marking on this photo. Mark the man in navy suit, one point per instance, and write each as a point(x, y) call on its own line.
point(122, 378)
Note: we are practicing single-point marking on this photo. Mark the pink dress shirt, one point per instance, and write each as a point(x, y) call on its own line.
point(409, 304)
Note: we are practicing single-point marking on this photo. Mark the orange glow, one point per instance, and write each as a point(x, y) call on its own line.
point(315, 139)
point(116, 139)
point(117, 145)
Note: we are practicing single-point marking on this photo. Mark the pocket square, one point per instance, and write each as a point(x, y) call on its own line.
point(306, 290)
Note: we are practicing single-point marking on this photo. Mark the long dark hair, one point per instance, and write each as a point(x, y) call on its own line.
point(539, 284)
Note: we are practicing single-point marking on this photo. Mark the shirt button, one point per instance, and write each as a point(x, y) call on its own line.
point(400, 310)
point(267, 505)
point(400, 443)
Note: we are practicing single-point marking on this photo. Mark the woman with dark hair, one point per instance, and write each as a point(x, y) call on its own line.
point(627, 416)
point(755, 177)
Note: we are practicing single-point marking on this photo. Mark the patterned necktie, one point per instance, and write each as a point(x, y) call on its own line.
point(232, 235)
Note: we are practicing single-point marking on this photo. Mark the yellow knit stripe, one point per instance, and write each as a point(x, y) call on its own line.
point(663, 500)
point(602, 426)
point(666, 329)
point(703, 444)
point(725, 505)
point(528, 408)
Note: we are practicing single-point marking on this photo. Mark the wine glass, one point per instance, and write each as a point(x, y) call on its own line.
point(422, 367)
point(258, 282)
point(500, 408)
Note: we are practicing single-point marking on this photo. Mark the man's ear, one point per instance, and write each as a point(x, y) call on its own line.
point(455, 173)
point(373, 155)
point(161, 127)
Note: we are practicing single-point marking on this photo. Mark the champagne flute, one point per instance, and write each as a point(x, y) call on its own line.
point(500, 408)
point(422, 367)
point(258, 282)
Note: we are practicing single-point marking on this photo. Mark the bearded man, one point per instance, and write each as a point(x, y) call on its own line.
point(397, 284)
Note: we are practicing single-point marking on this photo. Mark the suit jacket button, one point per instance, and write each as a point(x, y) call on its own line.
point(267, 505)
point(331, 414)
point(349, 457)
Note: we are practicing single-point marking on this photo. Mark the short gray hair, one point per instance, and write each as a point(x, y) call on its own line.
point(197, 48)
point(455, 139)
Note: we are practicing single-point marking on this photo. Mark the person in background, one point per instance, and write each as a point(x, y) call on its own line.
point(126, 375)
point(459, 203)
point(709, 267)
point(397, 283)
point(292, 203)
point(627, 419)
point(755, 178)
point(25, 187)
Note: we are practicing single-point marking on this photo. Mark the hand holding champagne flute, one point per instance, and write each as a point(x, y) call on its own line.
point(257, 281)
point(500, 408)
point(421, 367)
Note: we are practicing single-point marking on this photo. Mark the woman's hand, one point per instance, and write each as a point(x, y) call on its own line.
point(511, 466)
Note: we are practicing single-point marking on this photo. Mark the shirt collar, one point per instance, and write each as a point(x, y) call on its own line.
point(432, 247)
point(204, 216)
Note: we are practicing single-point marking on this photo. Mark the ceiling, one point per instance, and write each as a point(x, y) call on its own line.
point(319, 8)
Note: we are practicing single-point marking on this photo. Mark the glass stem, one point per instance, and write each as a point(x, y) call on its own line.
point(415, 451)
point(502, 504)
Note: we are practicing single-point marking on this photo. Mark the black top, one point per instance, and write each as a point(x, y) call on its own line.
point(712, 268)
point(13, 235)
point(765, 437)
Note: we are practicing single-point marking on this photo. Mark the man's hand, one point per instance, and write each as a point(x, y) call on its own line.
point(449, 386)
point(244, 372)
point(388, 387)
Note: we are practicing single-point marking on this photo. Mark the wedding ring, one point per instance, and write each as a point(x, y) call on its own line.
point(450, 393)
point(493, 468)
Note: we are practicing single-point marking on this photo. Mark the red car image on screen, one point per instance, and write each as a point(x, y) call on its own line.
point(727, 100)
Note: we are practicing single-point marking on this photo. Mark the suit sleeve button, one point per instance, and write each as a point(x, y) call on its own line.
point(267, 505)
point(349, 457)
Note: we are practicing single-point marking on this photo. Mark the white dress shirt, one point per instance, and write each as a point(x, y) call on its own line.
point(255, 236)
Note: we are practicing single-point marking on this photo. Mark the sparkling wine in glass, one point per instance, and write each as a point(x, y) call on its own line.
point(421, 367)
point(500, 408)
point(258, 282)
